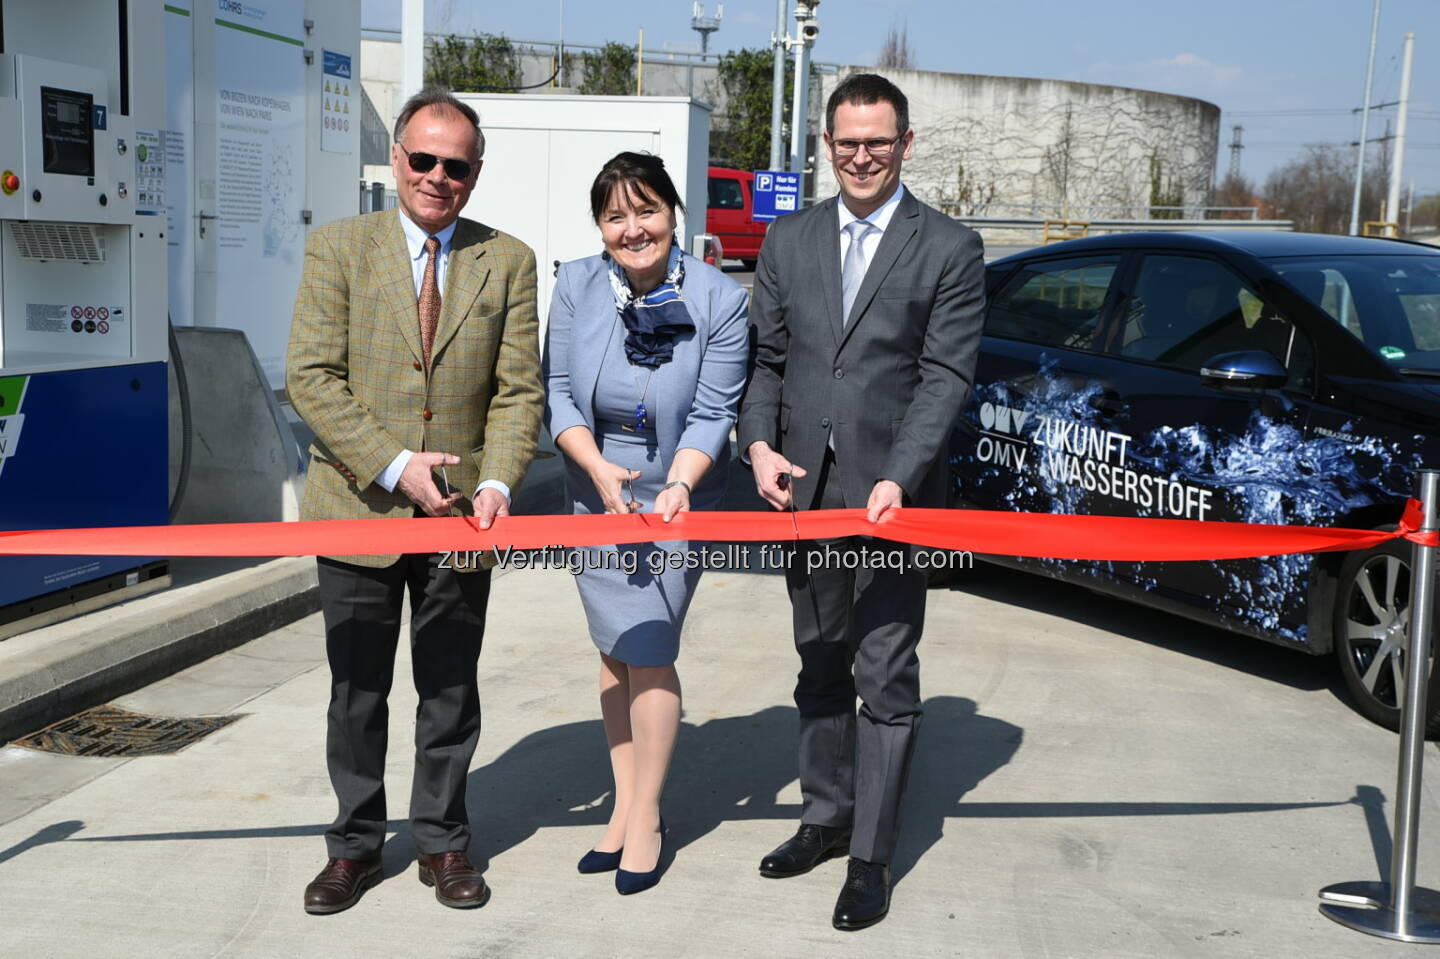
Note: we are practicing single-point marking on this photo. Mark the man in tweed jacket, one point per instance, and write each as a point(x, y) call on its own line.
point(414, 348)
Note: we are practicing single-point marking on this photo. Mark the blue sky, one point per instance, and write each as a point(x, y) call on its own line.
point(1289, 71)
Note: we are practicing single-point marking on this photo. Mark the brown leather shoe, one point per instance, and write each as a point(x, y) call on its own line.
point(340, 885)
point(458, 884)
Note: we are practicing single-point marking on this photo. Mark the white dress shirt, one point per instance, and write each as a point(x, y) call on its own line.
point(415, 240)
point(880, 219)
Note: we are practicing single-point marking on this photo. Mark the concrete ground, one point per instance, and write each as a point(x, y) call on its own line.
point(1092, 780)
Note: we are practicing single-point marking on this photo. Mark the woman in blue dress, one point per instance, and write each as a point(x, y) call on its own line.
point(645, 358)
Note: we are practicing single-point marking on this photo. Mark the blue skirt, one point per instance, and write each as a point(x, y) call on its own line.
point(636, 596)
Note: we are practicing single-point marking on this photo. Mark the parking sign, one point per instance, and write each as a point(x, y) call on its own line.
point(776, 194)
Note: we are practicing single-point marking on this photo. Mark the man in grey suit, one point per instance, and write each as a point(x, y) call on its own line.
point(867, 314)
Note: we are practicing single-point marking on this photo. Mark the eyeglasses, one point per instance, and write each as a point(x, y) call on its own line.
point(425, 162)
point(877, 148)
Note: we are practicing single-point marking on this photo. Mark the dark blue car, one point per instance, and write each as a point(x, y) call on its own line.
point(1262, 377)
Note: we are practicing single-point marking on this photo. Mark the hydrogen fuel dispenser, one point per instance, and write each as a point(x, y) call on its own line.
point(83, 326)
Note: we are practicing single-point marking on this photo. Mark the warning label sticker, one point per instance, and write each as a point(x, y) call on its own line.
point(63, 318)
point(47, 317)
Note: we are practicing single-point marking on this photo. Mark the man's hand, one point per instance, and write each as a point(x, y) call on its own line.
point(417, 483)
point(886, 495)
point(490, 503)
point(768, 467)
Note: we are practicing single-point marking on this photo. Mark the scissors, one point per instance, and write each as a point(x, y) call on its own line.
point(783, 482)
point(446, 479)
point(632, 504)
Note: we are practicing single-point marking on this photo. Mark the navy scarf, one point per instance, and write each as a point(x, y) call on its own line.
point(652, 319)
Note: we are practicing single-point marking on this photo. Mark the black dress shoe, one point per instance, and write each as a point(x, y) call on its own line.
point(810, 846)
point(865, 898)
point(340, 885)
point(458, 884)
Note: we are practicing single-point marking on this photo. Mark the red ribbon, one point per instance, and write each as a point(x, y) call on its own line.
point(1001, 533)
point(1411, 522)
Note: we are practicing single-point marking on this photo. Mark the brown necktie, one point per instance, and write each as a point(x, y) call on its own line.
point(429, 298)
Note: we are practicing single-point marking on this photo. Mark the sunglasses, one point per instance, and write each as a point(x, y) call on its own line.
point(425, 162)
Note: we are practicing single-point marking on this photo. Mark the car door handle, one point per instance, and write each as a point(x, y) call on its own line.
point(1108, 403)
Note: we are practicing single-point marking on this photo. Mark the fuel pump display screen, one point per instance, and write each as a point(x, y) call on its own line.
point(69, 135)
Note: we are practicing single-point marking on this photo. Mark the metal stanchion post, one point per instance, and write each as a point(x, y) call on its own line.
point(1399, 909)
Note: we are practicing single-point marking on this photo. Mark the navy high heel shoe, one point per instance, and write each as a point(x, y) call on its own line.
point(594, 861)
point(628, 883)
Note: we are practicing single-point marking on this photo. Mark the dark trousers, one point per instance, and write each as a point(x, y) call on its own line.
point(362, 606)
point(856, 631)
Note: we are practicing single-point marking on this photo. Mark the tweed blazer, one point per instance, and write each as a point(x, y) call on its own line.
point(885, 384)
point(695, 396)
point(355, 374)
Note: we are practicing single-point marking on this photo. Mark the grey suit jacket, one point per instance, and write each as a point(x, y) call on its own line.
point(696, 394)
point(890, 383)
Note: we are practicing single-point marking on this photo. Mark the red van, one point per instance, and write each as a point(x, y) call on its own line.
point(729, 214)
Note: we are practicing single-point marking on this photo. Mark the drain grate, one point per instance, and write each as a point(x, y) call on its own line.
point(111, 731)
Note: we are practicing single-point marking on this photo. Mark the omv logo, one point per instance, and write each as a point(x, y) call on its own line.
point(1003, 419)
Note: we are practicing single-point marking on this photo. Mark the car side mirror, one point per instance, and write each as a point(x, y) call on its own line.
point(1243, 369)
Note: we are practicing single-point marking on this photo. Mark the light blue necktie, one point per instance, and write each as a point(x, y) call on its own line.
point(852, 273)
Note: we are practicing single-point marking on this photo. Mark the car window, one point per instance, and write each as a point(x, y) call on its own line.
point(1423, 312)
point(1391, 303)
point(725, 194)
point(1054, 302)
point(1328, 288)
point(1187, 309)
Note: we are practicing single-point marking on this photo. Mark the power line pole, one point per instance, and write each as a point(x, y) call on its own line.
point(1364, 126)
point(1397, 168)
point(807, 29)
point(1235, 147)
point(412, 49)
point(778, 41)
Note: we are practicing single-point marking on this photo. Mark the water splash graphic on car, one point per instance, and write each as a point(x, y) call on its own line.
point(1270, 472)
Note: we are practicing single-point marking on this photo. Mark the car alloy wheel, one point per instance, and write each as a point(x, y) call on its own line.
point(1372, 621)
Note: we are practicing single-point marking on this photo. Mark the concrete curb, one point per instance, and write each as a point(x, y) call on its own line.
point(60, 670)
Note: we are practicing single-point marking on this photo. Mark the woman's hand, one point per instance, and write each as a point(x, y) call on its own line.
point(610, 481)
point(675, 499)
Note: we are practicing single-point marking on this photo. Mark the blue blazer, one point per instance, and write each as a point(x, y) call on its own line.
point(697, 394)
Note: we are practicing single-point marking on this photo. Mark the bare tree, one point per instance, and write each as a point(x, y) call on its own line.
point(1427, 212)
point(1314, 190)
point(1235, 191)
point(897, 52)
